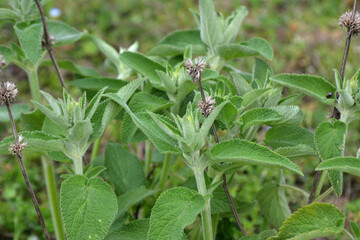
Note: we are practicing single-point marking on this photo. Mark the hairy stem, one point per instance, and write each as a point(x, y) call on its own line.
point(148, 156)
point(26, 177)
point(78, 166)
point(224, 185)
point(295, 189)
point(34, 83)
point(314, 187)
point(165, 171)
point(324, 195)
point(48, 44)
point(321, 183)
point(96, 148)
point(206, 212)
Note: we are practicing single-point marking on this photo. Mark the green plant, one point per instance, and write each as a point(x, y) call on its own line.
point(207, 119)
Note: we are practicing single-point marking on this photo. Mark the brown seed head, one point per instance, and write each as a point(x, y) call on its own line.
point(347, 21)
point(195, 70)
point(207, 106)
point(18, 147)
point(8, 92)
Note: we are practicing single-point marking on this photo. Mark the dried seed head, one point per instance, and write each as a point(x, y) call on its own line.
point(347, 21)
point(8, 92)
point(207, 106)
point(18, 147)
point(195, 70)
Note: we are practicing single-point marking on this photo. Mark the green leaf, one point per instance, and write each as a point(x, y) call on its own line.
point(94, 172)
point(244, 152)
point(176, 42)
point(312, 221)
point(296, 152)
point(123, 169)
point(345, 99)
point(64, 34)
point(111, 54)
point(273, 204)
point(314, 86)
point(30, 39)
point(88, 207)
point(144, 66)
point(6, 53)
point(94, 103)
point(253, 47)
point(210, 25)
point(36, 142)
point(206, 125)
point(330, 143)
point(355, 229)
point(242, 86)
point(140, 102)
point(55, 117)
point(32, 121)
point(133, 197)
point(228, 114)
point(289, 136)
point(252, 96)
point(173, 211)
point(9, 14)
point(72, 67)
point(261, 72)
point(134, 230)
point(344, 164)
point(16, 110)
point(258, 116)
point(95, 84)
point(234, 23)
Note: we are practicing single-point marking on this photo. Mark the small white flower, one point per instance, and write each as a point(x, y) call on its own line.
point(207, 107)
point(195, 70)
point(17, 148)
point(8, 92)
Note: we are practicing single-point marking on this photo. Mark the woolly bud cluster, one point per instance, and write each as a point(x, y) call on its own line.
point(195, 70)
point(8, 92)
point(352, 24)
point(18, 147)
point(207, 106)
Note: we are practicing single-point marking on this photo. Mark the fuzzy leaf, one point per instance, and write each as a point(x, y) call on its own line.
point(32, 121)
point(330, 143)
point(176, 42)
point(258, 116)
point(253, 47)
point(173, 211)
point(95, 84)
point(273, 204)
point(30, 39)
point(244, 152)
point(88, 207)
point(94, 103)
point(16, 110)
point(8, 14)
point(134, 230)
point(289, 136)
point(144, 66)
point(261, 72)
point(63, 33)
point(312, 221)
point(355, 229)
point(55, 117)
point(344, 164)
point(252, 96)
point(123, 169)
point(111, 54)
point(314, 86)
point(296, 152)
point(235, 21)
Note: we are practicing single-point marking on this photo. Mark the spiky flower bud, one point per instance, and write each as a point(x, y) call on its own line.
point(18, 147)
point(207, 106)
point(8, 92)
point(195, 70)
point(353, 24)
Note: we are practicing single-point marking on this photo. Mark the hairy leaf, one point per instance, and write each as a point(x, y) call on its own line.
point(63, 33)
point(344, 164)
point(133, 230)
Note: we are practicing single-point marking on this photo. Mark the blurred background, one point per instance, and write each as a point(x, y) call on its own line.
point(305, 37)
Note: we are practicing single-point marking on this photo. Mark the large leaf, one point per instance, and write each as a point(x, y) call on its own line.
point(124, 169)
point(344, 164)
point(134, 230)
point(253, 47)
point(63, 33)
point(258, 116)
point(72, 67)
point(176, 42)
point(313, 86)
point(312, 221)
point(144, 66)
point(111, 54)
point(234, 23)
point(140, 102)
point(244, 152)
point(16, 110)
point(289, 136)
point(330, 143)
point(95, 84)
point(8, 14)
point(210, 25)
point(36, 142)
point(273, 204)
point(296, 152)
point(173, 211)
point(252, 96)
point(32, 121)
point(88, 207)
point(30, 39)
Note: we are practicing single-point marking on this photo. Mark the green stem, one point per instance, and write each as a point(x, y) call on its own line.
point(351, 237)
point(321, 183)
point(47, 165)
point(34, 83)
point(251, 133)
point(96, 148)
point(78, 166)
point(324, 195)
point(206, 212)
point(48, 168)
point(295, 189)
point(215, 220)
point(165, 171)
point(148, 156)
